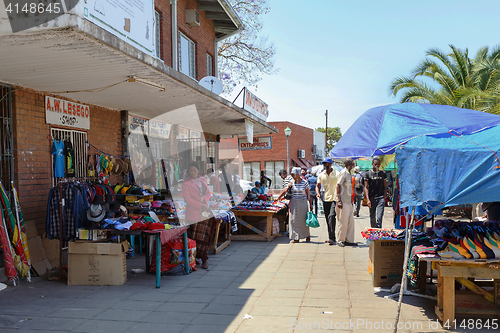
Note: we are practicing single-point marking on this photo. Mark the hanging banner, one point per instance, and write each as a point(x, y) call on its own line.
point(255, 105)
point(249, 130)
point(138, 125)
point(131, 21)
point(65, 113)
point(158, 129)
point(263, 142)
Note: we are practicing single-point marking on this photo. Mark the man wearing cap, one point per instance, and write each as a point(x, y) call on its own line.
point(328, 179)
point(375, 192)
point(358, 190)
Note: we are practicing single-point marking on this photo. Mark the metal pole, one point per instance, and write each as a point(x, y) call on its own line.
point(326, 131)
point(287, 157)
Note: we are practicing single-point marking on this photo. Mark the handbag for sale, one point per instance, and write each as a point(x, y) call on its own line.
point(312, 220)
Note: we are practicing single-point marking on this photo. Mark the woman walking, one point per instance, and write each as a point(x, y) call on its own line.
point(298, 207)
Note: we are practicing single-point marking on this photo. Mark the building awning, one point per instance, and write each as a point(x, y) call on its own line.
point(299, 163)
point(228, 154)
point(307, 163)
point(89, 65)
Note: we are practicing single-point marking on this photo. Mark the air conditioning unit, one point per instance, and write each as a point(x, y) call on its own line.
point(301, 153)
point(192, 18)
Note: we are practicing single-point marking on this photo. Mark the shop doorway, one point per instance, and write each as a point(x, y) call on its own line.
point(78, 140)
point(6, 137)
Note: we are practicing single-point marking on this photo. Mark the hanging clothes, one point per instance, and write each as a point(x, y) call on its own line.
point(69, 155)
point(58, 152)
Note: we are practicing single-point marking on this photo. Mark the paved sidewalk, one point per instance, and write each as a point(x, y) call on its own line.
point(284, 288)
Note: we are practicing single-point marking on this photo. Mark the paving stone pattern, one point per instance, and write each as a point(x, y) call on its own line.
point(303, 287)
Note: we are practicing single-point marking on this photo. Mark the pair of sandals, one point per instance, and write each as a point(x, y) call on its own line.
point(308, 240)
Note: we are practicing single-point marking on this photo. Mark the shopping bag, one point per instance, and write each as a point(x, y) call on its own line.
point(312, 220)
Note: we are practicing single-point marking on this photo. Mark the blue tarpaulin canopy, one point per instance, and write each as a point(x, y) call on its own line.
point(379, 130)
point(450, 170)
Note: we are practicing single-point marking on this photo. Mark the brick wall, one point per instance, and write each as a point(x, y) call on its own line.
point(32, 157)
point(203, 36)
point(301, 138)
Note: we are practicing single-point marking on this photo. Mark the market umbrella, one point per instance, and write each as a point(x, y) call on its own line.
point(20, 259)
point(379, 130)
point(10, 270)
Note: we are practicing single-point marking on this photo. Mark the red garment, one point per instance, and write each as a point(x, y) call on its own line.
point(215, 182)
point(192, 196)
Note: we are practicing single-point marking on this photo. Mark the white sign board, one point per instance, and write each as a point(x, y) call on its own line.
point(263, 142)
point(130, 20)
point(138, 125)
point(255, 105)
point(65, 113)
point(159, 129)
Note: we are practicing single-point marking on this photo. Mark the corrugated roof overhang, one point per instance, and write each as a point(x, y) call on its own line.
point(76, 61)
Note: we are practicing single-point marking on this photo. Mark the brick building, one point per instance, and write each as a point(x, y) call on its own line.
point(118, 73)
point(268, 152)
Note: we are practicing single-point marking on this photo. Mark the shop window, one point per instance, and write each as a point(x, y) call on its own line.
point(209, 65)
point(187, 56)
point(272, 171)
point(78, 140)
point(251, 171)
point(6, 144)
point(158, 34)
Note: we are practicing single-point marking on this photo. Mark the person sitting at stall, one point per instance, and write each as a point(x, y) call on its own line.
point(196, 194)
point(492, 210)
point(258, 189)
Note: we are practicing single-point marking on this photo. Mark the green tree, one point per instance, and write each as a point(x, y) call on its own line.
point(453, 79)
point(333, 136)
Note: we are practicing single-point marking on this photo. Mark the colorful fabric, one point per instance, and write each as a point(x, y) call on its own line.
point(203, 233)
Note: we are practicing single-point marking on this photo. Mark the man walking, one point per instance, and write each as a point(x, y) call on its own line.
point(344, 208)
point(313, 180)
point(375, 192)
point(328, 179)
point(358, 190)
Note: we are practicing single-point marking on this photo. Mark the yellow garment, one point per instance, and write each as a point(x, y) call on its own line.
point(329, 184)
point(457, 248)
point(478, 249)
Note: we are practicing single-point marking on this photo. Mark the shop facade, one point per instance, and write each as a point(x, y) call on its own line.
point(90, 85)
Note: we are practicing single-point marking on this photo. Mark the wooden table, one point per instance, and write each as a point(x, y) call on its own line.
point(216, 247)
point(459, 270)
point(261, 236)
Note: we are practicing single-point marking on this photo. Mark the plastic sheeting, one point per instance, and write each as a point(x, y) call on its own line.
point(450, 170)
point(379, 130)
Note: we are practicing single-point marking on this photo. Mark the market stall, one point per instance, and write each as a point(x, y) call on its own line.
point(418, 132)
point(260, 217)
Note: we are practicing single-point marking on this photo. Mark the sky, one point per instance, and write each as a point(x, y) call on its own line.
point(341, 56)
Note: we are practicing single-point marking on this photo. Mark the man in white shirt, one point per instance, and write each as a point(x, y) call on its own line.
point(328, 179)
point(345, 222)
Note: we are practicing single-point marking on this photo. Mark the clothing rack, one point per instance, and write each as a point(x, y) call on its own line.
point(61, 205)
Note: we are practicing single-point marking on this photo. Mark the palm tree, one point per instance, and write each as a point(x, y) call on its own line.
point(454, 79)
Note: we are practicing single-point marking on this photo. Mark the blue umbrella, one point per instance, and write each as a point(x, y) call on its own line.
point(379, 130)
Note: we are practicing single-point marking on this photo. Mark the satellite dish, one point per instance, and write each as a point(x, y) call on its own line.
point(212, 83)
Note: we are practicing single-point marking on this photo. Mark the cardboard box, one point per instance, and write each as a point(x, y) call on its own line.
point(97, 263)
point(468, 300)
point(386, 259)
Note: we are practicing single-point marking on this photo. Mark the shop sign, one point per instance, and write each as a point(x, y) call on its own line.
point(65, 113)
point(263, 142)
point(255, 105)
point(131, 21)
point(138, 125)
point(159, 129)
point(183, 133)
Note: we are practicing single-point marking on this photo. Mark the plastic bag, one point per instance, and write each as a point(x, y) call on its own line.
point(312, 220)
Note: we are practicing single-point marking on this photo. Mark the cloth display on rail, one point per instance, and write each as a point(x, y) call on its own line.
point(83, 204)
